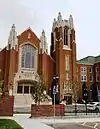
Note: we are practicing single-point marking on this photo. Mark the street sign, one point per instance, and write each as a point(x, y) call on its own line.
point(85, 94)
point(57, 89)
point(54, 90)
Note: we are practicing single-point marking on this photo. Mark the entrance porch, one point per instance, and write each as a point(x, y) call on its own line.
point(22, 96)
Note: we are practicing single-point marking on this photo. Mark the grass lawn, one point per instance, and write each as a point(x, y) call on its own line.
point(9, 124)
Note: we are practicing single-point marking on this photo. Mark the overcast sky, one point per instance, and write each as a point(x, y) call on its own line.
point(39, 14)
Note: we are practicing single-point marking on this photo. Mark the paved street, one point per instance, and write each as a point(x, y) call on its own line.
point(87, 125)
point(71, 126)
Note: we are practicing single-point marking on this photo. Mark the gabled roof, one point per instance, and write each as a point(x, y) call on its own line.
point(30, 30)
point(97, 59)
point(89, 60)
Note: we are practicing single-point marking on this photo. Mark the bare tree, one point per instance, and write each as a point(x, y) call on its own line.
point(73, 88)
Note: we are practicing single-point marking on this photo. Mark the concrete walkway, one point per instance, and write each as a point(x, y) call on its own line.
point(28, 123)
point(31, 124)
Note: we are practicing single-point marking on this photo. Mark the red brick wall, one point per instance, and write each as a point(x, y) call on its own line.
point(7, 67)
point(78, 73)
point(46, 66)
point(50, 70)
point(6, 106)
point(47, 110)
point(97, 65)
point(2, 63)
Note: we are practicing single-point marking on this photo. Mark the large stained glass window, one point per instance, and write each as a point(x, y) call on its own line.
point(28, 55)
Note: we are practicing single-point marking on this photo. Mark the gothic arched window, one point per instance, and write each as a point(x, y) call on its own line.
point(65, 36)
point(28, 55)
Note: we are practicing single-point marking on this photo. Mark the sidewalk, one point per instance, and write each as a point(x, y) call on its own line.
point(28, 123)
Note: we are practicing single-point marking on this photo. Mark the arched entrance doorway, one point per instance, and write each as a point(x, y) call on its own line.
point(25, 87)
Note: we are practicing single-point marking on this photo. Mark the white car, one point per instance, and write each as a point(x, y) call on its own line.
point(94, 106)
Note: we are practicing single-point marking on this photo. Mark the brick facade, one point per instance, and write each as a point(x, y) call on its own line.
point(91, 72)
point(6, 106)
point(47, 110)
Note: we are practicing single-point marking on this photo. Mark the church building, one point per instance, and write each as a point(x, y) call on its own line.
point(26, 55)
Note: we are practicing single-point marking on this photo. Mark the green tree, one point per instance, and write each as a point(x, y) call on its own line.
point(1, 86)
point(3, 90)
point(39, 90)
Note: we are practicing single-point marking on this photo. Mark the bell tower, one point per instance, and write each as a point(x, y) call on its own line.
point(63, 49)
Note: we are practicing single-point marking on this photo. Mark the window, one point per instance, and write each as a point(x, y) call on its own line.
point(83, 78)
point(57, 34)
point(28, 60)
point(98, 104)
point(65, 36)
point(97, 69)
point(67, 63)
point(28, 56)
point(67, 75)
point(60, 30)
point(22, 60)
point(26, 89)
point(97, 78)
point(83, 69)
point(91, 78)
point(90, 70)
point(31, 89)
point(19, 89)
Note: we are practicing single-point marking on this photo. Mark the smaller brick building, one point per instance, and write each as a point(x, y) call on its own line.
point(88, 70)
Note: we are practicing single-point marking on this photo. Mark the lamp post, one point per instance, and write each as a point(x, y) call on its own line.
point(55, 91)
point(55, 86)
point(86, 95)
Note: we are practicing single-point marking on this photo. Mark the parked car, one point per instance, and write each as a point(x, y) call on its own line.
point(63, 102)
point(93, 107)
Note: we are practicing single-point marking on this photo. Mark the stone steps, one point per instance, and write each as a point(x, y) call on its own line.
point(22, 99)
